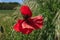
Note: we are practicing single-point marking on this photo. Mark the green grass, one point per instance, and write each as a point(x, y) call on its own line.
point(6, 22)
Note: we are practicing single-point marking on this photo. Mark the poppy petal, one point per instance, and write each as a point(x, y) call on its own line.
point(38, 20)
point(25, 11)
point(26, 25)
point(17, 27)
point(27, 30)
point(20, 27)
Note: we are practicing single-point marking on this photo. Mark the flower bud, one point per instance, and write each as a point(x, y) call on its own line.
point(25, 11)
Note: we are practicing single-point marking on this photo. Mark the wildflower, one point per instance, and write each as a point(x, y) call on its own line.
point(29, 23)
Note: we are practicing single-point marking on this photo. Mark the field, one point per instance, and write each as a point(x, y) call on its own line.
point(8, 19)
point(50, 30)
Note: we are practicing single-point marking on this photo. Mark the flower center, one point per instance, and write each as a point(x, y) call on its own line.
point(26, 17)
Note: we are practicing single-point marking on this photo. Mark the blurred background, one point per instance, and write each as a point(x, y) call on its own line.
point(9, 13)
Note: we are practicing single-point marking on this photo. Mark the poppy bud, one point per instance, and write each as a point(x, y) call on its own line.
point(25, 11)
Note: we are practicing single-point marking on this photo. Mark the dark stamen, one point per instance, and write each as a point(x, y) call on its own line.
point(26, 17)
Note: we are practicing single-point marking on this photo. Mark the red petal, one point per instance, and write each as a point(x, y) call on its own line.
point(38, 21)
point(27, 25)
point(17, 26)
point(27, 30)
point(33, 23)
point(25, 10)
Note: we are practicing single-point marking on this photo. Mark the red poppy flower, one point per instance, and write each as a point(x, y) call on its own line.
point(29, 23)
